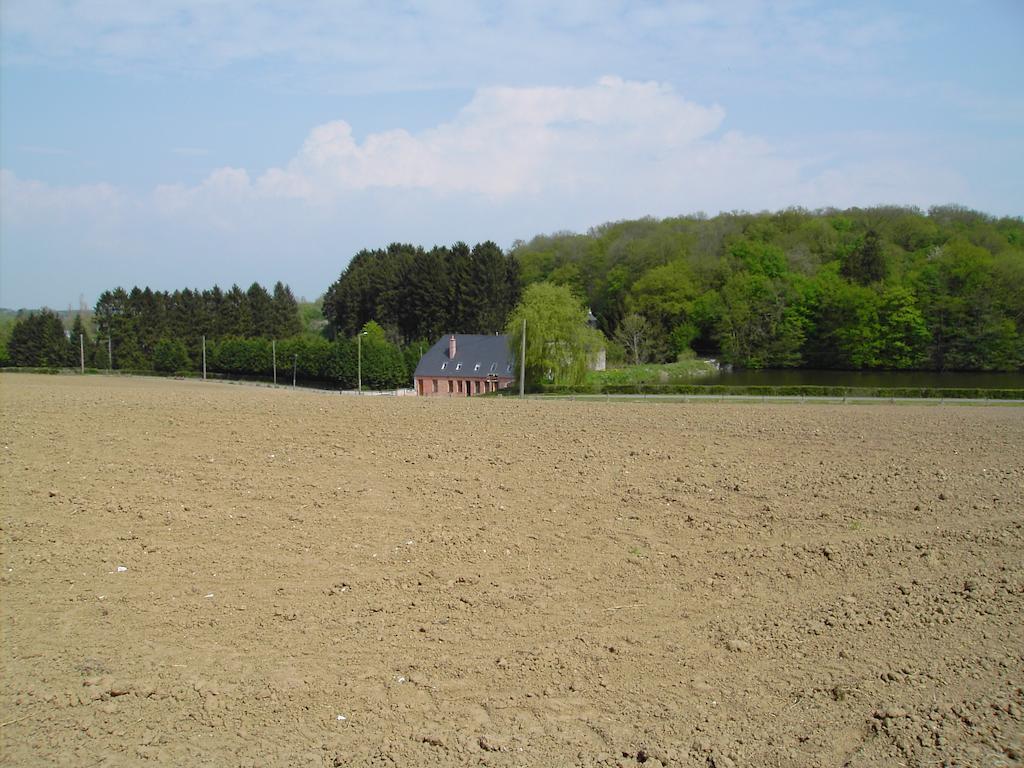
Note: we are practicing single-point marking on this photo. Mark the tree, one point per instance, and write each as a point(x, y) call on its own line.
point(79, 344)
point(285, 319)
point(759, 257)
point(634, 334)
point(261, 312)
point(760, 326)
point(664, 294)
point(487, 295)
point(866, 263)
point(383, 366)
point(311, 356)
point(6, 326)
point(903, 334)
point(427, 294)
point(117, 320)
point(681, 340)
point(459, 270)
point(170, 356)
point(559, 343)
point(39, 341)
point(235, 318)
point(971, 322)
point(843, 323)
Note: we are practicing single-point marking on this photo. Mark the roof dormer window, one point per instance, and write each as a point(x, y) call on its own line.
point(443, 366)
point(476, 367)
point(458, 366)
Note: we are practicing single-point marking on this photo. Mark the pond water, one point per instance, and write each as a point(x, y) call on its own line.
point(800, 377)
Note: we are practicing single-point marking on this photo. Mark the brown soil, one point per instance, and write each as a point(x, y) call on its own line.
point(315, 579)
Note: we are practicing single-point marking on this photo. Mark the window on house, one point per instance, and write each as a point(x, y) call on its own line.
point(458, 366)
point(509, 369)
point(476, 367)
point(493, 366)
point(435, 385)
point(443, 366)
point(450, 387)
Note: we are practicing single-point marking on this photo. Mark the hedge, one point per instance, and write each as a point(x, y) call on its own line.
point(950, 393)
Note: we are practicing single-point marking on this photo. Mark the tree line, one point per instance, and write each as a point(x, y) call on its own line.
point(884, 287)
point(41, 340)
point(136, 321)
point(417, 294)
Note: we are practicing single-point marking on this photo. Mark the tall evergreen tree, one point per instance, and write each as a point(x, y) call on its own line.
point(261, 312)
point(39, 340)
point(80, 345)
point(285, 313)
point(460, 270)
point(486, 294)
point(426, 295)
point(234, 316)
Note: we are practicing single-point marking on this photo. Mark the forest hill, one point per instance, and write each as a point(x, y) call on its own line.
point(884, 287)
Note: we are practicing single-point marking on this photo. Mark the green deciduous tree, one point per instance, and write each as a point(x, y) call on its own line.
point(903, 336)
point(383, 366)
point(635, 335)
point(866, 263)
point(559, 343)
point(759, 257)
point(843, 328)
point(664, 294)
point(170, 355)
point(760, 325)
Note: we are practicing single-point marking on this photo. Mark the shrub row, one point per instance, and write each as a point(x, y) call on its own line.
point(314, 359)
point(794, 391)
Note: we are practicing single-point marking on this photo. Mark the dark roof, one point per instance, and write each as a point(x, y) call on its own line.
point(490, 352)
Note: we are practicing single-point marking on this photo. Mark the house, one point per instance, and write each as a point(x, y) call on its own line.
point(462, 364)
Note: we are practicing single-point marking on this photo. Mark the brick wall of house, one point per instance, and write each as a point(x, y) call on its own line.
point(428, 386)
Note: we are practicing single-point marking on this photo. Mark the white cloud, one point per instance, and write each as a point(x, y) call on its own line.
point(512, 163)
point(26, 201)
point(506, 142)
point(614, 148)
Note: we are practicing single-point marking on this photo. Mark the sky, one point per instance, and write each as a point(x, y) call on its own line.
point(177, 143)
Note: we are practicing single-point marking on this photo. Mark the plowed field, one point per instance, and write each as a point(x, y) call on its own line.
point(215, 574)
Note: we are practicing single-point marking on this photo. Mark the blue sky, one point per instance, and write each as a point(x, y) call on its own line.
point(181, 144)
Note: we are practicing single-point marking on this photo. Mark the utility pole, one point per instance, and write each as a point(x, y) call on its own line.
point(273, 347)
point(81, 351)
point(359, 363)
point(204, 357)
point(522, 363)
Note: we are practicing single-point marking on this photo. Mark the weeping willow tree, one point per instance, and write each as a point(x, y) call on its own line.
point(559, 343)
